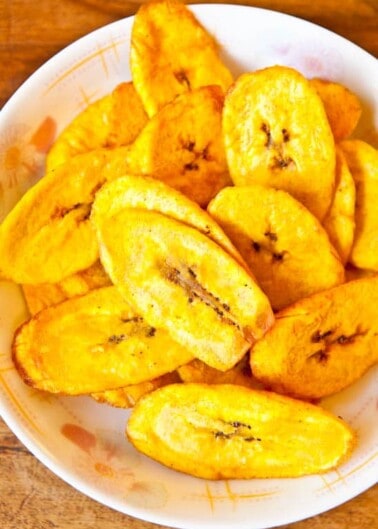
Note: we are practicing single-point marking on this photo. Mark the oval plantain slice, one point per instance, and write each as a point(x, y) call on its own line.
point(182, 145)
point(45, 295)
point(339, 222)
point(150, 194)
point(277, 236)
point(342, 106)
point(276, 133)
point(180, 280)
point(93, 343)
point(228, 431)
point(321, 344)
point(362, 160)
point(48, 236)
point(114, 120)
point(172, 53)
point(128, 396)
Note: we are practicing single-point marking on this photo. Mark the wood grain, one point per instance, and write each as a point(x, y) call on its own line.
point(31, 497)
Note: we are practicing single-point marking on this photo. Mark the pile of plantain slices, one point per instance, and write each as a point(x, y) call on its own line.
point(204, 250)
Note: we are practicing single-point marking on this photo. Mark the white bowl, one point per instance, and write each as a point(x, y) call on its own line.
point(83, 442)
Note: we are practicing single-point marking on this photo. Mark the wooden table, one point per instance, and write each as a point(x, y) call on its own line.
point(31, 497)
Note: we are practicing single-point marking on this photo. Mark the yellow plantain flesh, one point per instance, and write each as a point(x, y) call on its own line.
point(180, 280)
point(322, 343)
point(232, 432)
point(277, 236)
point(47, 236)
point(93, 343)
point(276, 133)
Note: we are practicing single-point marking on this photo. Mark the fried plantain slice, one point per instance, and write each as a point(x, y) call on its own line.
point(226, 431)
point(39, 297)
point(198, 371)
point(339, 222)
point(182, 145)
point(128, 396)
point(172, 53)
point(322, 343)
point(150, 194)
point(180, 280)
point(362, 160)
point(97, 335)
point(276, 235)
point(114, 120)
point(47, 236)
point(276, 133)
point(342, 106)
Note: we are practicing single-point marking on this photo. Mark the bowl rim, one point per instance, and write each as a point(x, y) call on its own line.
point(42, 454)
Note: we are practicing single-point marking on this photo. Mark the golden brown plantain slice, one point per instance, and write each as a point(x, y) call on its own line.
point(227, 431)
point(284, 245)
point(128, 396)
point(339, 222)
point(112, 121)
point(362, 160)
point(150, 194)
point(93, 343)
point(172, 53)
point(39, 297)
point(47, 236)
point(182, 145)
point(198, 371)
point(321, 344)
point(180, 280)
point(276, 133)
point(342, 107)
